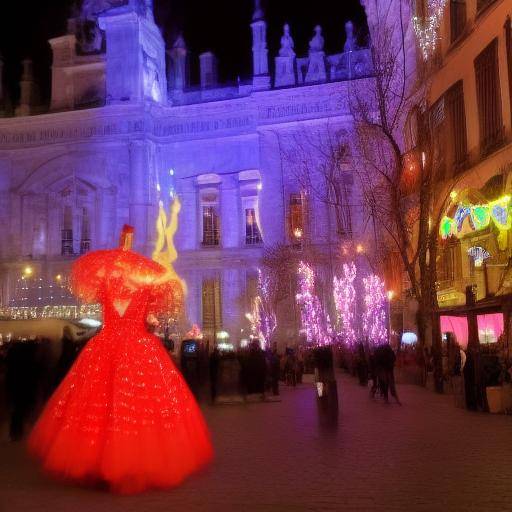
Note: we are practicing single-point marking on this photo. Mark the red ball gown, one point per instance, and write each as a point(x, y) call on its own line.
point(123, 415)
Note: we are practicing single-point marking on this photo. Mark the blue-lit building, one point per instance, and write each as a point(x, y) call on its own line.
point(124, 127)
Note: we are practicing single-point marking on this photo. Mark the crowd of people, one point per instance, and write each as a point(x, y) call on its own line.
point(31, 369)
point(377, 364)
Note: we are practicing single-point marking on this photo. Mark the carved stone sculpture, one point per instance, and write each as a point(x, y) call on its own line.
point(317, 43)
point(258, 11)
point(287, 43)
point(350, 42)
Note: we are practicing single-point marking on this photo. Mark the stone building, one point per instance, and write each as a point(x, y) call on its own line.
point(124, 129)
point(471, 95)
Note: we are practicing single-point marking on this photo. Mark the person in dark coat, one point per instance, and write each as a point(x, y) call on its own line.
point(256, 369)
point(214, 371)
point(385, 364)
point(21, 382)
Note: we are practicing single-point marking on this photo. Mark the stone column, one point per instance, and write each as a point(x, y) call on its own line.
point(230, 216)
point(231, 303)
point(64, 53)
point(139, 193)
point(26, 89)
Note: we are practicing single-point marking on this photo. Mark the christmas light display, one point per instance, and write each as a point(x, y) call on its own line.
point(374, 317)
point(61, 312)
point(315, 322)
point(267, 320)
point(427, 28)
point(475, 217)
point(479, 255)
point(345, 302)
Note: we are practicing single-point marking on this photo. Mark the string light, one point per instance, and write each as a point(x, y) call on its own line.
point(345, 302)
point(374, 317)
point(316, 324)
point(427, 29)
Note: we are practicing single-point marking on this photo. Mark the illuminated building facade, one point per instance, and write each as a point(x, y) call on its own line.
point(124, 129)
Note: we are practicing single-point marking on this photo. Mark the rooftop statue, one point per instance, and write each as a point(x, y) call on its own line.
point(258, 11)
point(317, 43)
point(180, 43)
point(350, 42)
point(287, 43)
point(91, 8)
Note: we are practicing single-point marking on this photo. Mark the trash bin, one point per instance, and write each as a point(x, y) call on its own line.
point(494, 399)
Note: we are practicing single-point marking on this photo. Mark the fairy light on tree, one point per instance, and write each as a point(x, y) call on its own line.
point(374, 317)
point(266, 316)
point(345, 301)
point(427, 27)
point(315, 322)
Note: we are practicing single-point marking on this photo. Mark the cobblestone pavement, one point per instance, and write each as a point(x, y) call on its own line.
point(424, 456)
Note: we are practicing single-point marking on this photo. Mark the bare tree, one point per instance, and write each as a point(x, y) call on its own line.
point(396, 169)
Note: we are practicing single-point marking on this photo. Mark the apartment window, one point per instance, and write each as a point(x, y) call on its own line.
point(482, 4)
point(456, 141)
point(85, 241)
point(508, 42)
point(252, 230)
point(212, 308)
point(67, 232)
point(489, 99)
point(457, 18)
point(211, 226)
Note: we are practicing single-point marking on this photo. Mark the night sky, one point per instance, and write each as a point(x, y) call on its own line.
point(221, 26)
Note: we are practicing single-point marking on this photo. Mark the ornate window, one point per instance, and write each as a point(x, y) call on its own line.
point(297, 218)
point(211, 226)
point(212, 307)
point(67, 232)
point(252, 230)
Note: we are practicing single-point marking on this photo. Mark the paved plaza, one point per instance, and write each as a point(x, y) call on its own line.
point(424, 456)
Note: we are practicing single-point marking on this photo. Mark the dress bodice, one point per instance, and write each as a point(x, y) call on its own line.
point(135, 308)
point(128, 285)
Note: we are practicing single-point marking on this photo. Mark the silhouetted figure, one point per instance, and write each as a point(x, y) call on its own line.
point(385, 363)
point(70, 350)
point(470, 382)
point(362, 365)
point(273, 366)
point(290, 366)
point(214, 372)
point(256, 369)
point(21, 381)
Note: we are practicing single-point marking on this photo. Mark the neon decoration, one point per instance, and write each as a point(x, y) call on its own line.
point(345, 301)
point(315, 322)
point(479, 255)
point(427, 29)
point(374, 317)
point(478, 217)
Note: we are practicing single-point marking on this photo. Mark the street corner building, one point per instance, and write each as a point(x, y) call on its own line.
point(125, 131)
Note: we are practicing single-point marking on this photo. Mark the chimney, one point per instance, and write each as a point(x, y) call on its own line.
point(208, 66)
point(27, 88)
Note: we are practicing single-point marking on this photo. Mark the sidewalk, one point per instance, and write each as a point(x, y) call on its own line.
point(425, 456)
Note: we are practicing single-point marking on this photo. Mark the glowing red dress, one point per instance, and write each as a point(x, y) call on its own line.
point(123, 415)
